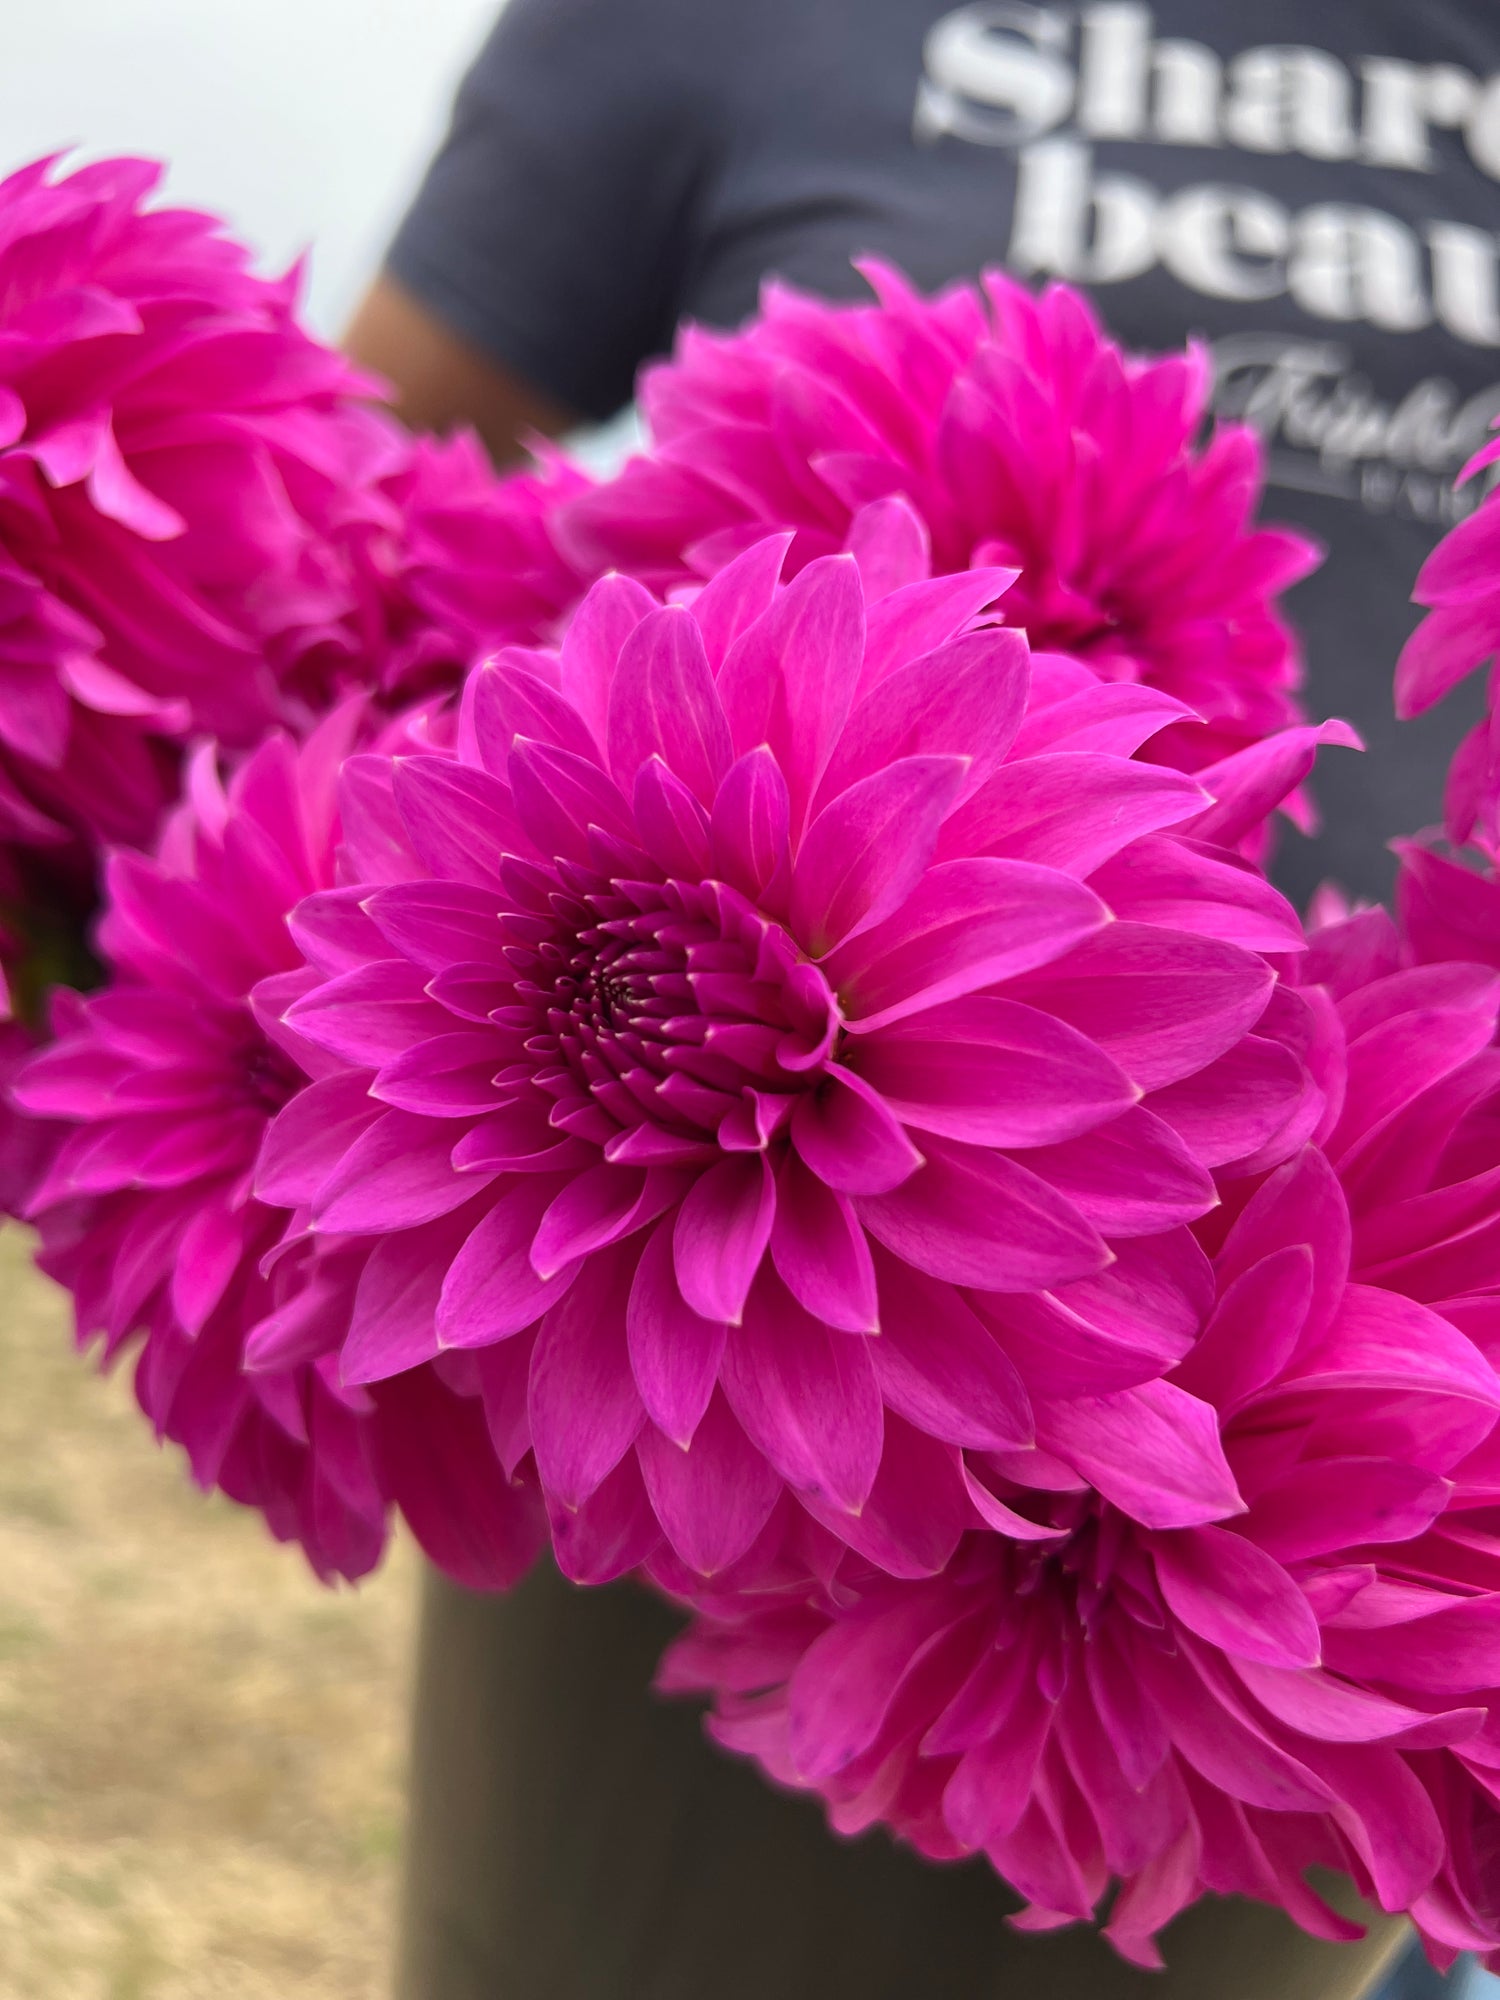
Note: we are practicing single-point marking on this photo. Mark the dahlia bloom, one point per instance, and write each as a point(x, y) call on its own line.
point(1460, 585)
point(153, 1097)
point(772, 971)
point(1019, 434)
point(1312, 1677)
point(204, 526)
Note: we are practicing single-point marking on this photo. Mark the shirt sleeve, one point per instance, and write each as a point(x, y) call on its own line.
point(554, 226)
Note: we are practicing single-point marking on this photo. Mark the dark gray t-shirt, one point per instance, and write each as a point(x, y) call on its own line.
point(1313, 185)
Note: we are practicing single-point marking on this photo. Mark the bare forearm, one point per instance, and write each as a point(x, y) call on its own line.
point(440, 381)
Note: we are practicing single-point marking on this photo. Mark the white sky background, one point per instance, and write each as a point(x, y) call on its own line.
point(302, 122)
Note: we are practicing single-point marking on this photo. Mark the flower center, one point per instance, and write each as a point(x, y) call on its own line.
point(674, 1003)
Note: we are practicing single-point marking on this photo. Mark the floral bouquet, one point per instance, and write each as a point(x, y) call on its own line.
point(729, 1024)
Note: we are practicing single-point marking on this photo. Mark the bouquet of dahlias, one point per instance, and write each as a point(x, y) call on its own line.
point(728, 1023)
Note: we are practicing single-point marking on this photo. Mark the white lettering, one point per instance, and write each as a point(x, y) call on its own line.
point(1482, 129)
point(1394, 129)
point(1115, 63)
point(1355, 263)
point(1072, 224)
point(1225, 242)
point(1465, 281)
point(995, 75)
point(1188, 82)
point(1290, 100)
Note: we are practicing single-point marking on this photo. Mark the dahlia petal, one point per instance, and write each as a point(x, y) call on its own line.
point(889, 541)
point(966, 699)
point(1448, 1652)
point(1182, 885)
point(1326, 1505)
point(917, 1511)
point(207, 1257)
point(1384, 1808)
point(491, 1289)
point(1332, 1711)
point(437, 924)
point(459, 820)
point(993, 1073)
point(391, 1327)
point(989, 1792)
point(789, 680)
point(806, 1397)
point(508, 698)
point(598, 1207)
point(1116, 719)
point(968, 924)
point(1254, 1330)
point(1230, 1592)
point(398, 1173)
point(674, 1352)
point(750, 827)
point(473, 1524)
point(584, 1410)
point(844, 1684)
point(1218, 1737)
point(1070, 811)
point(1301, 1202)
point(865, 853)
point(612, 1533)
point(1162, 1004)
point(977, 1218)
point(663, 703)
point(1248, 786)
point(1130, 1177)
point(1153, 1451)
point(849, 1137)
point(739, 594)
point(558, 798)
point(1379, 1340)
point(720, 1236)
point(445, 1076)
point(941, 1369)
point(920, 618)
point(368, 1016)
point(1130, 1720)
point(820, 1252)
point(1237, 1104)
point(599, 628)
point(713, 1496)
point(672, 825)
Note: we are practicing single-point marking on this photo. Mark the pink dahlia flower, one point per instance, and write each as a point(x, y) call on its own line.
point(1460, 585)
point(152, 1101)
point(1310, 1678)
point(1019, 434)
point(204, 526)
point(770, 972)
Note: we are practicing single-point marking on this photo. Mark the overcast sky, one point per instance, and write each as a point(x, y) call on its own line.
point(301, 121)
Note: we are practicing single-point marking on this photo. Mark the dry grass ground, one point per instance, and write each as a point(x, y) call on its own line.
point(200, 1747)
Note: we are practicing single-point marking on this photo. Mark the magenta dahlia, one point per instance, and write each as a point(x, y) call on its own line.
point(204, 525)
point(152, 1101)
point(770, 973)
point(1460, 585)
point(1310, 1678)
point(1015, 432)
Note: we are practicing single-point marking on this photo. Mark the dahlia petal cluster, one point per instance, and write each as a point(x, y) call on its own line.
point(204, 526)
point(154, 1096)
point(786, 1044)
point(1460, 586)
point(1310, 1676)
point(1019, 434)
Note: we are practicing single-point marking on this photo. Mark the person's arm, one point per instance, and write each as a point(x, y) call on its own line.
point(441, 381)
point(542, 259)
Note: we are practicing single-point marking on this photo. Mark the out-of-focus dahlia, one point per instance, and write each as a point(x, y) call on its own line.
point(1460, 585)
point(772, 972)
point(1019, 434)
point(204, 525)
point(1311, 1679)
point(153, 1099)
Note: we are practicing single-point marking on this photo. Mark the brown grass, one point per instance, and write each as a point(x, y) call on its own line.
point(200, 1747)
